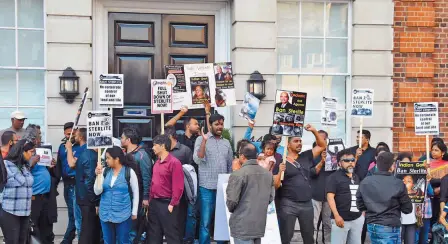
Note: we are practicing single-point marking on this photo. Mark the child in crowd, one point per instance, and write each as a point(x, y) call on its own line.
point(266, 159)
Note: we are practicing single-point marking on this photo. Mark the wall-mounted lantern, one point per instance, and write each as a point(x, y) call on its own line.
point(69, 85)
point(256, 85)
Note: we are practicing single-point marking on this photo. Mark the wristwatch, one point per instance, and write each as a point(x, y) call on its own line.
point(208, 114)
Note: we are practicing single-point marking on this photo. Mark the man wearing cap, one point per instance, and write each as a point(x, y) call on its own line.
point(17, 121)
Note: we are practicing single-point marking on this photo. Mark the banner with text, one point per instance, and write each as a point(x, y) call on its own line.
point(413, 175)
point(426, 118)
point(161, 96)
point(329, 111)
point(362, 102)
point(99, 129)
point(111, 91)
point(175, 74)
point(225, 87)
point(289, 113)
point(201, 85)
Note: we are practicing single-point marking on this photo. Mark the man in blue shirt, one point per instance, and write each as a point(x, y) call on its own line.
point(257, 144)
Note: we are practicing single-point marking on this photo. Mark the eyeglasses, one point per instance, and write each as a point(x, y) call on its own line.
point(348, 160)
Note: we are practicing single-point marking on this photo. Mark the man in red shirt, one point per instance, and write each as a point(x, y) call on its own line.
point(167, 187)
point(9, 138)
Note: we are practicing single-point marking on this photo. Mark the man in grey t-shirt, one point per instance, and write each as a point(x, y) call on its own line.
point(17, 121)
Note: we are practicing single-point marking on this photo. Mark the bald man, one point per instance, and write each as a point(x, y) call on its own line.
point(284, 105)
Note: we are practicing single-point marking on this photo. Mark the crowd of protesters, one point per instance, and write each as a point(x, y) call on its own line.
point(169, 191)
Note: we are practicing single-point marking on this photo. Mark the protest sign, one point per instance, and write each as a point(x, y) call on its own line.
point(413, 175)
point(45, 156)
point(250, 107)
point(99, 129)
point(161, 97)
point(201, 84)
point(426, 118)
point(175, 74)
point(329, 116)
point(362, 102)
point(334, 147)
point(111, 91)
point(272, 231)
point(289, 113)
point(225, 88)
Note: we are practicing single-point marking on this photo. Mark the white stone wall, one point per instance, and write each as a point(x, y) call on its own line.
point(372, 64)
point(69, 44)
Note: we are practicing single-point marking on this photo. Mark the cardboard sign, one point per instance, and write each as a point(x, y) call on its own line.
point(175, 74)
point(225, 88)
point(111, 91)
point(329, 116)
point(45, 156)
point(99, 129)
point(413, 175)
point(362, 102)
point(426, 118)
point(250, 107)
point(334, 147)
point(289, 113)
point(161, 96)
point(201, 85)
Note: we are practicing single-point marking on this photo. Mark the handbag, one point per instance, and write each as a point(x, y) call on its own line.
point(32, 234)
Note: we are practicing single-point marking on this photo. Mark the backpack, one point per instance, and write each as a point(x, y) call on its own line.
point(190, 183)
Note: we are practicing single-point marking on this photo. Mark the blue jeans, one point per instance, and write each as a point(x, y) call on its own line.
point(116, 233)
point(207, 201)
point(380, 234)
point(423, 232)
point(69, 197)
point(78, 217)
point(190, 225)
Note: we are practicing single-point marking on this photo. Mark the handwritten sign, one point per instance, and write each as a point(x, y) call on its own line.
point(99, 129)
point(362, 102)
point(161, 96)
point(111, 91)
point(426, 118)
point(413, 175)
point(289, 113)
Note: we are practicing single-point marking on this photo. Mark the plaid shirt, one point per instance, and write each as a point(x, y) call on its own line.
point(18, 190)
point(218, 160)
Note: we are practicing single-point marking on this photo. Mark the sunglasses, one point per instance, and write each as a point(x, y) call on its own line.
point(348, 160)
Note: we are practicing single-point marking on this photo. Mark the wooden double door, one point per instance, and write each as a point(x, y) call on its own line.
point(139, 47)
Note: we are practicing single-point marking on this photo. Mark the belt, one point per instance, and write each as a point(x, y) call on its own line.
point(40, 196)
point(69, 180)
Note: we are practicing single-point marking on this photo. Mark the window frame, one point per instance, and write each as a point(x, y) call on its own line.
point(16, 68)
point(347, 75)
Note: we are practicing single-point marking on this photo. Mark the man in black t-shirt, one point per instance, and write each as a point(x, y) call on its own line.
point(293, 198)
point(346, 220)
point(364, 155)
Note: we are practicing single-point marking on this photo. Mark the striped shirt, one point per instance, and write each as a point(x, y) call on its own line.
point(218, 160)
point(18, 190)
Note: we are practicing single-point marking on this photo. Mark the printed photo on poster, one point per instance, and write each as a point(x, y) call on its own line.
point(45, 156)
point(334, 147)
point(201, 84)
point(329, 115)
point(111, 91)
point(426, 118)
point(362, 102)
point(413, 175)
point(225, 87)
point(181, 97)
point(289, 113)
point(161, 96)
point(200, 90)
point(99, 129)
point(250, 107)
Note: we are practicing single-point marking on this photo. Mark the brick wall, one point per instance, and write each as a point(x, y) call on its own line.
point(420, 61)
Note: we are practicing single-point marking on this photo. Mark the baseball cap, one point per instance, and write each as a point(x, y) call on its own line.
point(17, 115)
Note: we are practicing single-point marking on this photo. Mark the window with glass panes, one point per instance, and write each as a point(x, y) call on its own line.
point(313, 56)
point(22, 61)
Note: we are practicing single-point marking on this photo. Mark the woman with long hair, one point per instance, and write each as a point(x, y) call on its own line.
point(118, 186)
point(438, 169)
point(17, 194)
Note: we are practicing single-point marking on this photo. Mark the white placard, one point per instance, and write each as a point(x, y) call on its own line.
point(111, 91)
point(99, 129)
point(362, 102)
point(272, 232)
point(201, 85)
point(161, 96)
point(45, 156)
point(426, 118)
point(329, 111)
